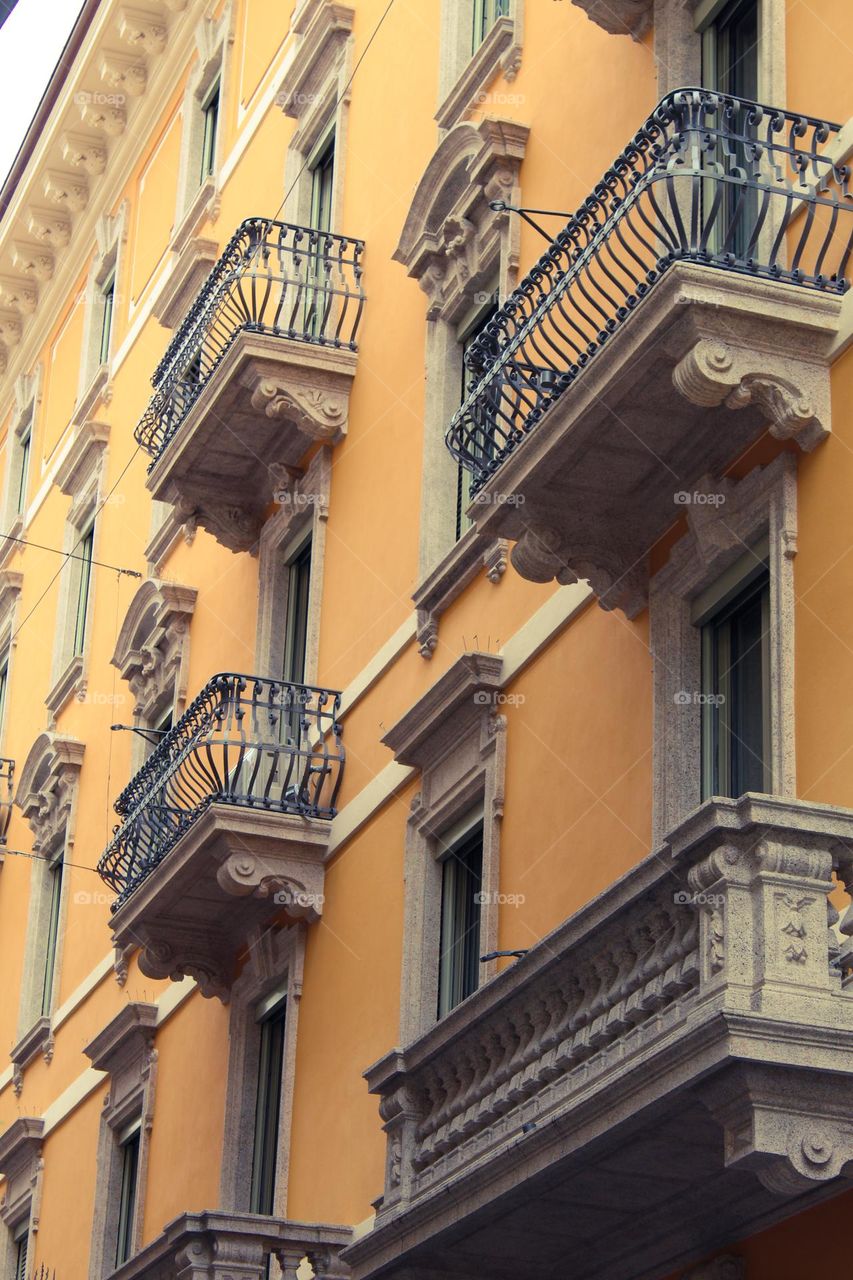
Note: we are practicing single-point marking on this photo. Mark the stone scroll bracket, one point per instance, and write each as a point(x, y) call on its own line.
point(794, 394)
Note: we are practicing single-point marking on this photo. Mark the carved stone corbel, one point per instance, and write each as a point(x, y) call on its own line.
point(84, 153)
point(317, 414)
point(619, 17)
point(794, 395)
point(143, 31)
point(104, 117)
point(33, 260)
point(124, 73)
point(66, 191)
point(48, 227)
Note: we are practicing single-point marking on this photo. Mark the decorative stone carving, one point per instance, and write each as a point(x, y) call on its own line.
point(21, 1165)
point(84, 153)
point(714, 372)
point(32, 260)
point(124, 73)
point(146, 32)
point(68, 192)
point(38, 1040)
point(323, 28)
point(48, 227)
point(316, 414)
point(451, 238)
point(105, 118)
point(620, 17)
point(10, 328)
point(152, 651)
point(456, 570)
point(496, 559)
point(18, 294)
point(47, 789)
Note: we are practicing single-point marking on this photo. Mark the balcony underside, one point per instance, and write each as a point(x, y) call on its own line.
point(236, 869)
point(670, 1070)
point(706, 364)
point(265, 405)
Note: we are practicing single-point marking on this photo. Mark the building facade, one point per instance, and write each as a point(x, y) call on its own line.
point(427, 811)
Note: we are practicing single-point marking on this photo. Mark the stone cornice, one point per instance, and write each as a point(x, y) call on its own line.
point(444, 712)
point(20, 1143)
point(83, 457)
point(127, 1035)
point(323, 25)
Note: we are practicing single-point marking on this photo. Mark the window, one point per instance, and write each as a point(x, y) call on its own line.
point(296, 621)
point(486, 14)
point(322, 168)
point(20, 1239)
point(87, 543)
point(4, 686)
point(736, 689)
point(108, 291)
point(468, 334)
point(461, 884)
point(52, 939)
point(128, 1142)
point(210, 118)
point(23, 469)
point(271, 1017)
point(730, 66)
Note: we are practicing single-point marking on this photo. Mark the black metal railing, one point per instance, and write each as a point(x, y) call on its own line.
point(272, 277)
point(709, 179)
point(7, 776)
point(245, 740)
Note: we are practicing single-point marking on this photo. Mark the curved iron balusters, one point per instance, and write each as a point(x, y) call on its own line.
point(245, 740)
point(7, 774)
point(709, 179)
point(272, 277)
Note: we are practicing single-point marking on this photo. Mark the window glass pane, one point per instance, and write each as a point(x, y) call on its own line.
point(735, 682)
point(296, 621)
point(23, 471)
point(459, 954)
point(55, 891)
point(21, 1239)
point(463, 475)
point(322, 183)
point(108, 300)
point(4, 681)
point(267, 1111)
point(210, 113)
point(87, 543)
point(730, 66)
point(127, 1199)
point(486, 14)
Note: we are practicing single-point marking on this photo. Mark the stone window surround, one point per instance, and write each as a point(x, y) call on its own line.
point(27, 400)
point(275, 962)
point(763, 503)
point(457, 739)
point(678, 39)
point(316, 93)
point(455, 246)
point(199, 201)
point(47, 795)
point(111, 239)
point(152, 655)
point(124, 1049)
point(303, 499)
point(10, 593)
point(81, 478)
point(463, 76)
point(22, 1166)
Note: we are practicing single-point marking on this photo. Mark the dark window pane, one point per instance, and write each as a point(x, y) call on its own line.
point(459, 956)
point(127, 1197)
point(267, 1111)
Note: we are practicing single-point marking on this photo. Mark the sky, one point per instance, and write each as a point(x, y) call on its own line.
point(31, 41)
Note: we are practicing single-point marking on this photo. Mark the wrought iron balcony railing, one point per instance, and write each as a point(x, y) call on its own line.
point(273, 278)
point(709, 179)
point(7, 774)
point(244, 740)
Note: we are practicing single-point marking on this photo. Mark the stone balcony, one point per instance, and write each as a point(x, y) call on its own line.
point(690, 305)
point(259, 371)
point(221, 1246)
point(669, 1070)
point(226, 827)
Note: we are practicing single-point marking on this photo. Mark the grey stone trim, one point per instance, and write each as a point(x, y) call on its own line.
point(275, 962)
point(709, 359)
point(21, 1166)
point(279, 398)
point(704, 984)
point(499, 52)
point(11, 582)
point(26, 402)
point(303, 498)
point(152, 652)
point(456, 738)
point(458, 250)
point(619, 17)
point(719, 533)
point(462, 565)
point(234, 870)
point(190, 269)
point(203, 207)
point(222, 1246)
point(200, 202)
point(124, 1049)
point(38, 1040)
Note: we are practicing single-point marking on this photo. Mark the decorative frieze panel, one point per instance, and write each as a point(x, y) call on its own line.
point(702, 991)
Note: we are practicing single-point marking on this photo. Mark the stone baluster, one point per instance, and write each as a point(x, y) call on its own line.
point(843, 860)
